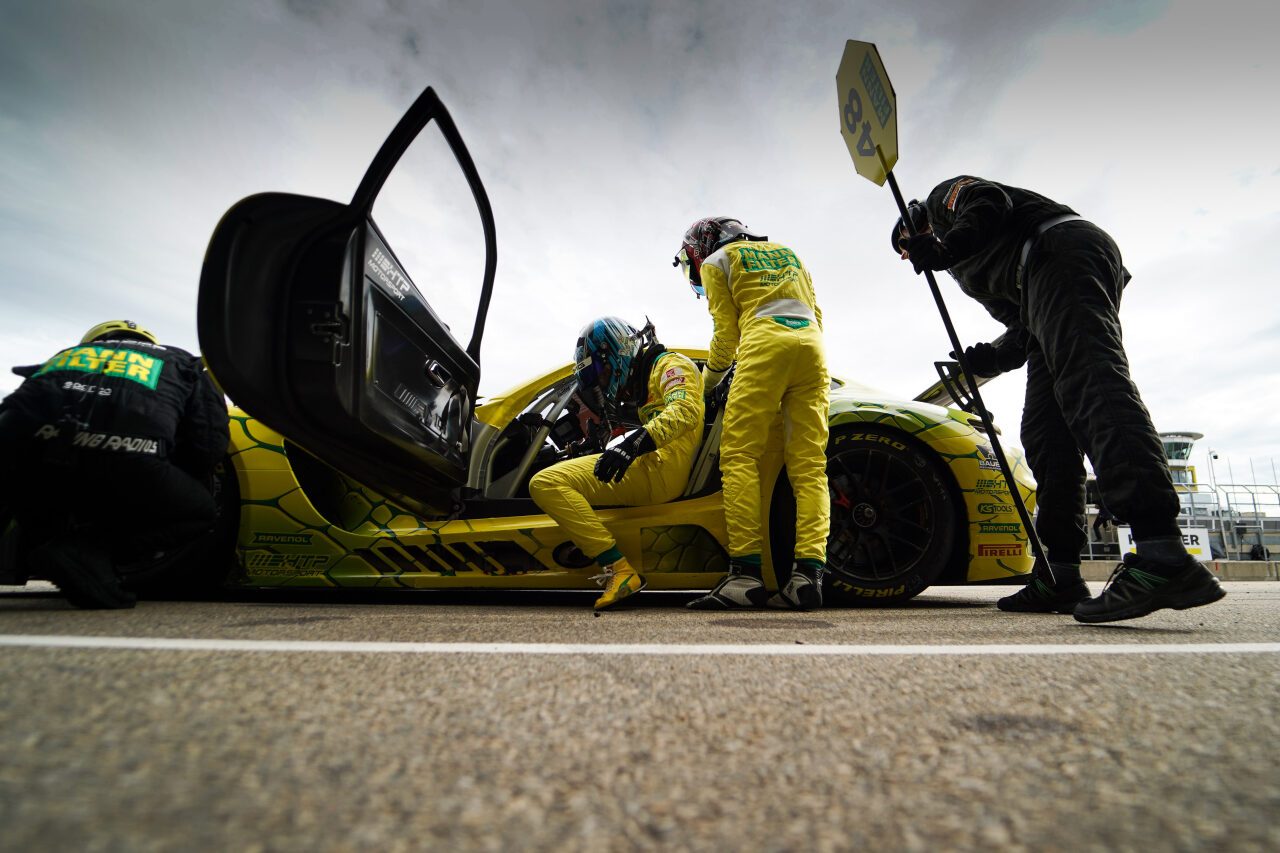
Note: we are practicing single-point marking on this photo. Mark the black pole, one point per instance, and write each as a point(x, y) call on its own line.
point(1036, 549)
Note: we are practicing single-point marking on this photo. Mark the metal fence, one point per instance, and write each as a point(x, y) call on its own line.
point(1243, 521)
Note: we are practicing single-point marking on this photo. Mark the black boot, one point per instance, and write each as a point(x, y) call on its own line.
point(741, 589)
point(1044, 594)
point(803, 591)
point(1138, 587)
point(83, 573)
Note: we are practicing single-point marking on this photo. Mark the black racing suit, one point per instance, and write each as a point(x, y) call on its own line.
point(1061, 308)
point(113, 442)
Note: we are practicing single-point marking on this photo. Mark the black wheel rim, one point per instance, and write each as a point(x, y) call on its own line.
point(882, 515)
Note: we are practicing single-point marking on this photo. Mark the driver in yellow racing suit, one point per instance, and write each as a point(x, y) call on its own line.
point(766, 316)
point(617, 368)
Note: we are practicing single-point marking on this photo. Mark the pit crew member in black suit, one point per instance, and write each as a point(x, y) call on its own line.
point(107, 450)
point(1055, 280)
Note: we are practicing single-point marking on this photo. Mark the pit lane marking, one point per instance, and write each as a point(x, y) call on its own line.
point(180, 644)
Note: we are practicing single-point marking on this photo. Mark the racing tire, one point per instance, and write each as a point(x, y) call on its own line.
point(894, 517)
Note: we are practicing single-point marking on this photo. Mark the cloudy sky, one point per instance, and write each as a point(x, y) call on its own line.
point(602, 129)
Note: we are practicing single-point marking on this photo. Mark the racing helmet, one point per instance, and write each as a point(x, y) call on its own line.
point(602, 361)
point(118, 330)
point(701, 241)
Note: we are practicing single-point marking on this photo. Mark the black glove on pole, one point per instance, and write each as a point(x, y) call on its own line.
point(1036, 549)
point(614, 462)
point(984, 359)
point(927, 252)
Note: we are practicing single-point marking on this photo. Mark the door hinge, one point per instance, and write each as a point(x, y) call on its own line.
point(326, 321)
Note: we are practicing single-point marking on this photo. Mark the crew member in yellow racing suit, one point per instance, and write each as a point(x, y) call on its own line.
point(766, 316)
point(618, 368)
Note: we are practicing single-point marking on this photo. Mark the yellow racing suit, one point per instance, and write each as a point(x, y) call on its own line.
point(766, 316)
point(672, 413)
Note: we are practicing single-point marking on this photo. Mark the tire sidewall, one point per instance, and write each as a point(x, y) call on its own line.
point(846, 586)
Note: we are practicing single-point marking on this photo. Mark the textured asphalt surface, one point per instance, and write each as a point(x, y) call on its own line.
point(111, 749)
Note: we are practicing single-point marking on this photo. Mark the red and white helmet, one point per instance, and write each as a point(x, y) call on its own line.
point(701, 241)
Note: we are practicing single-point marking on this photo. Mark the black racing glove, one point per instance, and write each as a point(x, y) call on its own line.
point(989, 360)
point(718, 395)
point(614, 462)
point(927, 252)
point(983, 360)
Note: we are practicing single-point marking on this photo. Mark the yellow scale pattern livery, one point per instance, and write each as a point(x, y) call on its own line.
point(374, 543)
point(285, 541)
point(367, 541)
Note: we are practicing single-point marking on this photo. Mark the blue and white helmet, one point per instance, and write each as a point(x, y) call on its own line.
point(602, 361)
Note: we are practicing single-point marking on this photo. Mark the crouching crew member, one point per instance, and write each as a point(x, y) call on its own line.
point(619, 369)
point(108, 449)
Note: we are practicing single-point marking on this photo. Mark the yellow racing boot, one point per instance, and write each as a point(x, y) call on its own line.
point(620, 581)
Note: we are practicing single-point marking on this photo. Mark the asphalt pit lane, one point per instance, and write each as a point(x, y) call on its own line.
point(797, 624)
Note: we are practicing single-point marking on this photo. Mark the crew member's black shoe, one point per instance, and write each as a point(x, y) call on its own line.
point(803, 590)
point(85, 575)
point(1042, 596)
point(741, 589)
point(1138, 587)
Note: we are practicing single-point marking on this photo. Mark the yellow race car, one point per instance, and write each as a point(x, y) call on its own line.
point(361, 456)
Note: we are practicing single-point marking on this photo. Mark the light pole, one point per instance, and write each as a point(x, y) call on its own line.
point(1213, 484)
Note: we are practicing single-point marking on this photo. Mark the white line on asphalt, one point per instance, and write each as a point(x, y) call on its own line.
point(179, 644)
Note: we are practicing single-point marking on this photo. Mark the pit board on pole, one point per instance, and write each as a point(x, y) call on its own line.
point(868, 111)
